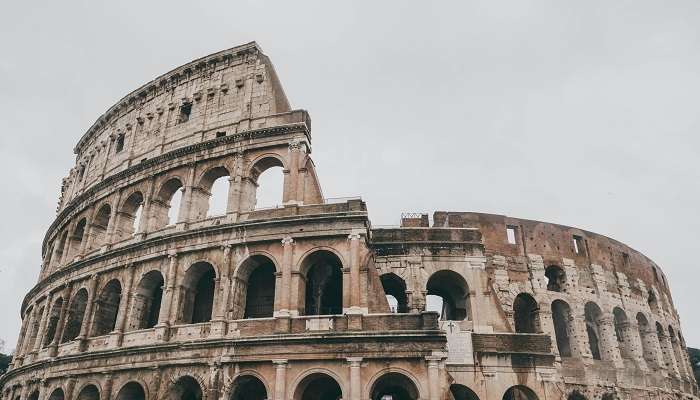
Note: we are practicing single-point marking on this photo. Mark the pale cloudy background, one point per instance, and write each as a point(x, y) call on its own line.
point(583, 113)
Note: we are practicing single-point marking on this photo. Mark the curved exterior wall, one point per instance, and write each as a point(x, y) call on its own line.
point(290, 302)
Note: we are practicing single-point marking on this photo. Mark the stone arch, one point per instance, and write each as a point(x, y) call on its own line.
point(100, 225)
point(461, 392)
point(35, 327)
point(168, 195)
point(318, 384)
point(132, 390)
point(398, 385)
point(34, 395)
point(255, 280)
point(520, 392)
point(652, 301)
point(52, 325)
point(146, 303)
point(60, 246)
point(608, 396)
point(526, 314)
point(129, 216)
point(107, 307)
point(89, 392)
point(395, 286)
point(185, 388)
point(204, 200)
point(563, 331)
point(622, 335)
point(593, 315)
point(198, 293)
point(258, 166)
point(322, 283)
point(57, 394)
point(75, 316)
point(647, 338)
point(453, 289)
point(76, 239)
point(249, 386)
point(556, 278)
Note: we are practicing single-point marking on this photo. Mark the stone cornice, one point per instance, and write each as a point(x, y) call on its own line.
point(104, 119)
point(171, 155)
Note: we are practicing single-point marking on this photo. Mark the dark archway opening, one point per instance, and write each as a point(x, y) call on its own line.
point(260, 293)
point(131, 391)
point(57, 394)
point(520, 393)
point(324, 284)
point(396, 287)
point(186, 388)
point(76, 315)
point(107, 308)
point(394, 386)
point(248, 387)
point(561, 317)
point(54, 315)
point(592, 316)
point(556, 279)
point(461, 392)
point(454, 292)
point(526, 314)
point(318, 387)
point(147, 300)
point(89, 392)
point(199, 287)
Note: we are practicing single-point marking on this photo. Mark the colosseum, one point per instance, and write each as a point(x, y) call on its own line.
point(146, 292)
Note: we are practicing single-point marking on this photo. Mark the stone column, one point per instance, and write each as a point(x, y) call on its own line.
point(608, 341)
point(168, 294)
point(667, 352)
point(17, 359)
point(355, 378)
point(124, 305)
point(433, 377)
point(112, 224)
point(107, 388)
point(53, 347)
point(225, 283)
point(70, 387)
point(354, 245)
point(186, 206)
point(27, 334)
point(634, 341)
point(280, 379)
point(87, 318)
point(579, 336)
point(292, 177)
point(287, 265)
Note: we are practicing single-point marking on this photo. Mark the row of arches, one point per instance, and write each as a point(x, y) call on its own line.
point(253, 287)
point(135, 213)
point(314, 386)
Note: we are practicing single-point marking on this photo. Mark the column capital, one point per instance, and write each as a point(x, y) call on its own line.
point(355, 362)
point(287, 241)
point(172, 254)
point(280, 363)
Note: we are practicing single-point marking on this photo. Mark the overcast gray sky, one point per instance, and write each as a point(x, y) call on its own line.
point(583, 113)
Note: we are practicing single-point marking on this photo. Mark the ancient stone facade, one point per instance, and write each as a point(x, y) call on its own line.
point(139, 300)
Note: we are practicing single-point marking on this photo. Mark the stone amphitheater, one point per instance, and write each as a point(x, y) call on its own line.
point(146, 293)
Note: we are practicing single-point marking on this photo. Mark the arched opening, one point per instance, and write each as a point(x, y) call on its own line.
point(318, 386)
point(453, 290)
point(57, 394)
point(89, 392)
point(621, 328)
point(647, 338)
point(593, 316)
point(323, 291)
point(676, 350)
point(394, 386)
point(652, 301)
point(664, 345)
point(520, 393)
point(34, 395)
point(256, 287)
point(248, 387)
point(99, 226)
point(395, 288)
point(526, 314)
point(131, 391)
point(198, 288)
point(77, 238)
point(61, 245)
point(54, 315)
point(609, 396)
point(75, 316)
point(561, 317)
point(35, 328)
point(107, 306)
point(461, 392)
point(266, 185)
point(130, 216)
point(556, 279)
point(185, 388)
point(146, 302)
point(576, 395)
point(211, 198)
point(165, 207)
